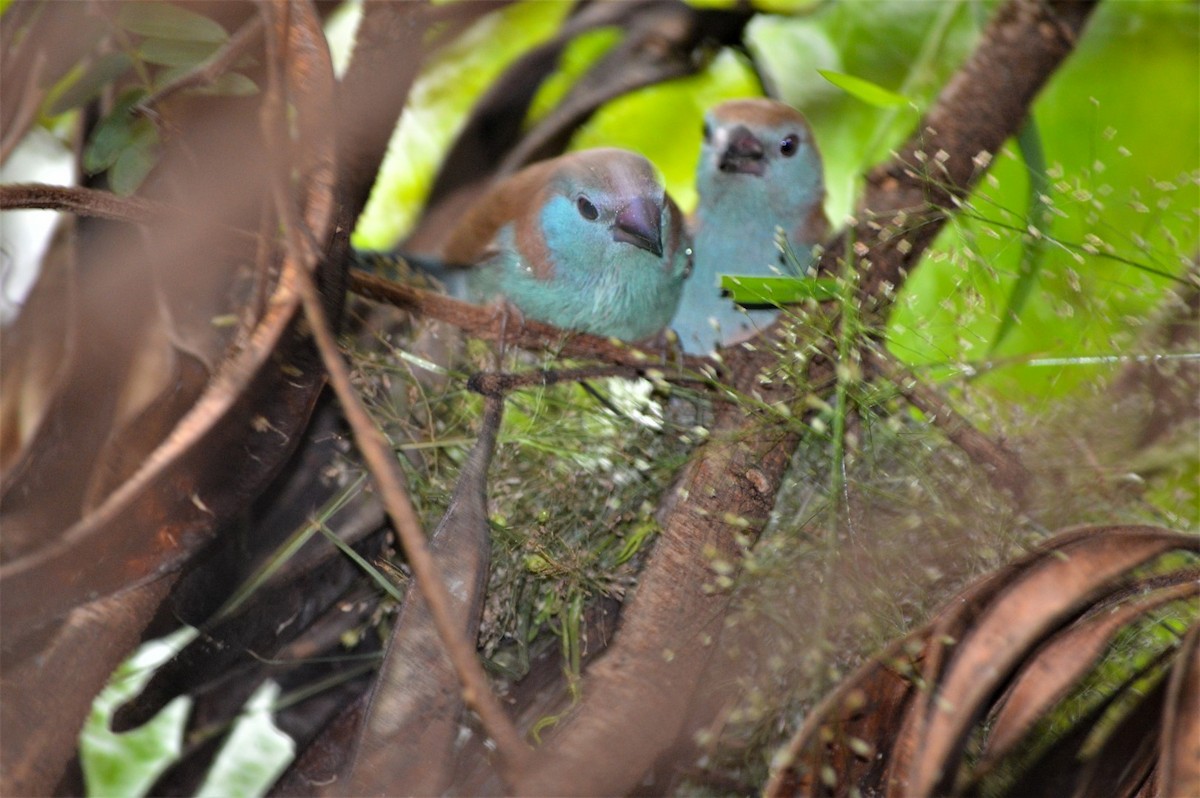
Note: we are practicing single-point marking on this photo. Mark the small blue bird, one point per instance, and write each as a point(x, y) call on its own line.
point(759, 176)
point(588, 241)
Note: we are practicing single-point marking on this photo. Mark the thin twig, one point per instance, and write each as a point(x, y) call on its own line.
point(483, 322)
point(79, 201)
point(500, 383)
point(96, 203)
point(389, 481)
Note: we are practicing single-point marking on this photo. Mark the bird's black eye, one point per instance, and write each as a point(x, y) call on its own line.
point(707, 131)
point(789, 144)
point(586, 209)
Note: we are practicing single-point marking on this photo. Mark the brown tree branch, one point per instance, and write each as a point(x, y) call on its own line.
point(1171, 388)
point(78, 200)
point(486, 322)
point(908, 199)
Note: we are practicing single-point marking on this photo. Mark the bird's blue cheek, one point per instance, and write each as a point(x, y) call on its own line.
point(574, 243)
point(558, 219)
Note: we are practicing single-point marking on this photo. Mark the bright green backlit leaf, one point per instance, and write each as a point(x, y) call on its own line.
point(437, 107)
point(255, 753)
point(865, 90)
point(165, 21)
point(778, 290)
point(128, 764)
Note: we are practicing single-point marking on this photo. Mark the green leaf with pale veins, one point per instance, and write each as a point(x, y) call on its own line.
point(136, 160)
point(231, 84)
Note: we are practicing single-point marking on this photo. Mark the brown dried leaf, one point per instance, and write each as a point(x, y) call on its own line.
point(967, 655)
point(1056, 583)
point(412, 722)
point(1060, 769)
point(1054, 670)
point(846, 741)
point(1180, 747)
point(1124, 762)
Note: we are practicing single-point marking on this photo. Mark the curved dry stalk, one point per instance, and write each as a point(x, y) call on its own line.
point(372, 444)
point(385, 473)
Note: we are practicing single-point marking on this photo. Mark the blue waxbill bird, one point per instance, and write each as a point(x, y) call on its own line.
point(587, 241)
point(759, 173)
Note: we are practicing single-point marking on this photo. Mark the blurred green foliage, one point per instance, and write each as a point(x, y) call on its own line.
point(439, 103)
point(1120, 130)
point(156, 44)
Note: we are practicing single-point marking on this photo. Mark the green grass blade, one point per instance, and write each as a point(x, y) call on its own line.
point(1029, 142)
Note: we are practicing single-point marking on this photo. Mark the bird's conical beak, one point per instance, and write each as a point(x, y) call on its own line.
point(743, 153)
point(640, 223)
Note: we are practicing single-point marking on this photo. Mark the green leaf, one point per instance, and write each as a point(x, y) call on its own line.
point(231, 84)
point(176, 52)
point(370, 570)
point(778, 290)
point(136, 160)
point(452, 80)
point(113, 135)
point(254, 754)
point(129, 763)
point(100, 74)
point(166, 21)
point(865, 90)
